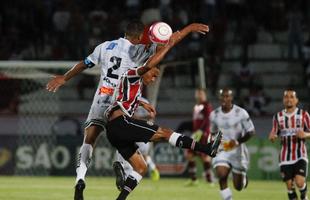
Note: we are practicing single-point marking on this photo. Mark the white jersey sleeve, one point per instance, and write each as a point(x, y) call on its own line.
point(246, 122)
point(140, 53)
point(95, 57)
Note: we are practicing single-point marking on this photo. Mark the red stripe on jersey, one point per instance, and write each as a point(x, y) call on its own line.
point(281, 120)
point(294, 147)
point(307, 119)
point(275, 125)
point(283, 149)
point(132, 72)
point(303, 119)
point(293, 121)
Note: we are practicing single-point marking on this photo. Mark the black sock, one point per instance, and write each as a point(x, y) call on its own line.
point(186, 142)
point(292, 194)
point(303, 192)
point(129, 185)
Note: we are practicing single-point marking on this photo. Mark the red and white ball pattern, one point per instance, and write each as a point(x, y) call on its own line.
point(160, 33)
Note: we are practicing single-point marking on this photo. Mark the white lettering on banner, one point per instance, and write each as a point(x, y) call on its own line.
point(65, 155)
point(59, 157)
point(24, 157)
point(42, 158)
point(268, 158)
point(102, 158)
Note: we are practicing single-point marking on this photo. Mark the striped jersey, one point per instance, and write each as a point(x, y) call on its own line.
point(128, 92)
point(286, 125)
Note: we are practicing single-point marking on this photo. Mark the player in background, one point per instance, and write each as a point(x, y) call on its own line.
point(122, 168)
point(292, 127)
point(201, 131)
point(114, 58)
point(237, 128)
point(126, 101)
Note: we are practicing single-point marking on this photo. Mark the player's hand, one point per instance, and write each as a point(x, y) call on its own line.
point(148, 107)
point(230, 145)
point(272, 136)
point(55, 83)
point(200, 28)
point(301, 134)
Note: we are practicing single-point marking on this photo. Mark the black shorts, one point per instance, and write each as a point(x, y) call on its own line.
point(290, 171)
point(123, 132)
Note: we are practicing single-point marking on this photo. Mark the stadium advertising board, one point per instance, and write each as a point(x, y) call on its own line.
point(56, 155)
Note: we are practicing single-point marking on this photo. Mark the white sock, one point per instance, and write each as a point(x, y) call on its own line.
point(226, 194)
point(136, 176)
point(150, 163)
point(84, 159)
point(173, 138)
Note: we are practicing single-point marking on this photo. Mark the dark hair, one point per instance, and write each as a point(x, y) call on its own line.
point(134, 28)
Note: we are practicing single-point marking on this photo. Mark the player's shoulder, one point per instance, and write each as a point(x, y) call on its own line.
point(240, 111)
point(216, 111)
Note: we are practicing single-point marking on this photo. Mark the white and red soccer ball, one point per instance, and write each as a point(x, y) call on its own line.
point(160, 33)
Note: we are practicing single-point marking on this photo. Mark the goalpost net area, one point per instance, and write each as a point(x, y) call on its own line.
point(42, 131)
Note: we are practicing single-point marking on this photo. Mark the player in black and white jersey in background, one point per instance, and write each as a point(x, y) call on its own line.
point(237, 128)
point(292, 127)
point(114, 58)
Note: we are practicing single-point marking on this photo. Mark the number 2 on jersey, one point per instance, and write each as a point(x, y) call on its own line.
point(116, 64)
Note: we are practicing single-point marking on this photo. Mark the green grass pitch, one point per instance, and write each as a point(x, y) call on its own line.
point(103, 188)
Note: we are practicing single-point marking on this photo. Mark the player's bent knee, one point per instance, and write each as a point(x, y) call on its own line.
point(141, 169)
point(91, 134)
point(300, 183)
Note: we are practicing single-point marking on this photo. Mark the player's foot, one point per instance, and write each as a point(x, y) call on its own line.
point(79, 187)
point(216, 143)
point(120, 175)
point(191, 183)
point(155, 175)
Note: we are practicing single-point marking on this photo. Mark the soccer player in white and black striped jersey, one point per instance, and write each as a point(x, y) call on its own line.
point(123, 131)
point(292, 127)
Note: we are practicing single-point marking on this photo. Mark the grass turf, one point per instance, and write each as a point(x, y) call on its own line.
point(103, 188)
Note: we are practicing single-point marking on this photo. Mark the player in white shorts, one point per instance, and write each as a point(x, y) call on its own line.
point(237, 128)
point(122, 168)
point(114, 58)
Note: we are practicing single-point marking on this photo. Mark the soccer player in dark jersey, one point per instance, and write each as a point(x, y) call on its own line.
point(201, 131)
point(292, 127)
point(123, 131)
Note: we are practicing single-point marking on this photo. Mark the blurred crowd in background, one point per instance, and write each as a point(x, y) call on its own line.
point(70, 29)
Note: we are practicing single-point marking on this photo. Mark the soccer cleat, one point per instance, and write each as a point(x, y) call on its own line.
point(155, 175)
point(120, 175)
point(79, 187)
point(216, 143)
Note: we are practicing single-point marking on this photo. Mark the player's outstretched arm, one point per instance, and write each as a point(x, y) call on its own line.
point(60, 80)
point(175, 38)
